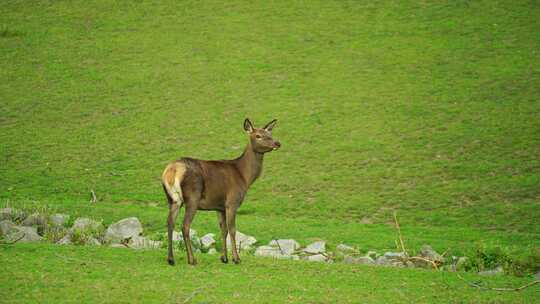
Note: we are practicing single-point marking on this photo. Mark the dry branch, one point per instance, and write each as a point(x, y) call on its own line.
point(93, 198)
point(399, 234)
point(499, 288)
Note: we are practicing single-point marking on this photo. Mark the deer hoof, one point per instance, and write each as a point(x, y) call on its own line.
point(193, 262)
point(171, 262)
point(224, 259)
point(236, 261)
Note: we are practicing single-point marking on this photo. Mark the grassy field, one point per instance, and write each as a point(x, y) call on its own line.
point(430, 109)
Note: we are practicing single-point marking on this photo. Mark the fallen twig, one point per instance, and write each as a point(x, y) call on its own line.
point(15, 241)
point(433, 263)
point(499, 288)
point(279, 246)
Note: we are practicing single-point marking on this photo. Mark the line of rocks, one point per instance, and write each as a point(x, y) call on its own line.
point(128, 233)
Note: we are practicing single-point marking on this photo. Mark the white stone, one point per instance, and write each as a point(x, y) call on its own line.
point(286, 246)
point(59, 219)
point(35, 219)
point(372, 254)
point(430, 254)
point(123, 229)
point(212, 251)
point(23, 234)
point(66, 240)
point(365, 260)
point(6, 226)
point(140, 242)
point(243, 241)
point(399, 256)
point(317, 247)
point(271, 251)
point(83, 224)
point(346, 248)
point(316, 258)
point(208, 240)
point(177, 236)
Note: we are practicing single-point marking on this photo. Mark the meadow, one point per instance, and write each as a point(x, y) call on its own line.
point(430, 109)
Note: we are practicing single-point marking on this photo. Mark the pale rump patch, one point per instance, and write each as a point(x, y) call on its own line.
point(172, 178)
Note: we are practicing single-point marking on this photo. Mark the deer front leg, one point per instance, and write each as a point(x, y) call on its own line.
point(171, 219)
point(223, 228)
point(231, 225)
point(188, 218)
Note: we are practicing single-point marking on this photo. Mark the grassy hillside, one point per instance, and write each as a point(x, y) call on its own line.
point(428, 108)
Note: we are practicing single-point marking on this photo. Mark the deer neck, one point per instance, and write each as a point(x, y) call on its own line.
point(250, 164)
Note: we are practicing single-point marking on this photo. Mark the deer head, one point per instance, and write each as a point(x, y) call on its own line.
point(261, 138)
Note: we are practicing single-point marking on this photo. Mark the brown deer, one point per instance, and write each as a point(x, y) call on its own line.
point(218, 185)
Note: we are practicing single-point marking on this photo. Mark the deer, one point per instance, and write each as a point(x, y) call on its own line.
point(215, 185)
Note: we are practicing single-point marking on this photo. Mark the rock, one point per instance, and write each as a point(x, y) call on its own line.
point(177, 236)
point(35, 219)
point(140, 242)
point(372, 254)
point(462, 264)
point(430, 254)
point(5, 213)
point(365, 260)
point(268, 251)
point(195, 241)
point(207, 241)
point(66, 240)
point(345, 249)
point(271, 251)
point(243, 241)
point(410, 264)
point(58, 219)
point(395, 256)
point(382, 260)
point(93, 241)
point(123, 230)
point(84, 224)
point(317, 247)
point(23, 234)
point(6, 226)
point(316, 258)
point(492, 272)
point(287, 246)
point(11, 214)
point(212, 251)
point(117, 246)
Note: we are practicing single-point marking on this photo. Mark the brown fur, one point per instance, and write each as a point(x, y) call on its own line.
point(218, 185)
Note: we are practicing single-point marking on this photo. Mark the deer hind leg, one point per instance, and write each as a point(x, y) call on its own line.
point(223, 227)
point(171, 179)
point(231, 225)
point(174, 208)
point(191, 209)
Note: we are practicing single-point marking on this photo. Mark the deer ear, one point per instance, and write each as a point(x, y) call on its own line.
point(269, 126)
point(248, 126)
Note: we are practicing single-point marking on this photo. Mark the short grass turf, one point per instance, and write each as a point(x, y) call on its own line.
point(47, 273)
point(430, 109)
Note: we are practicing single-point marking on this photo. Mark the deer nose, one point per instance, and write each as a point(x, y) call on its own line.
point(277, 145)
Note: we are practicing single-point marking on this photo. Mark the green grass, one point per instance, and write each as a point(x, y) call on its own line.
point(116, 275)
point(428, 108)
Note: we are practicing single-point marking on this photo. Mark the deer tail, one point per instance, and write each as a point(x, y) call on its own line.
point(172, 178)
